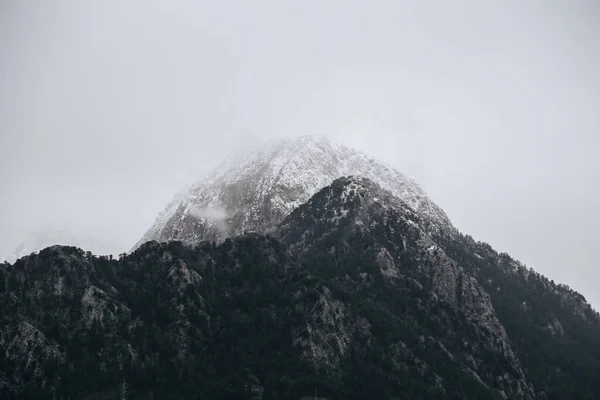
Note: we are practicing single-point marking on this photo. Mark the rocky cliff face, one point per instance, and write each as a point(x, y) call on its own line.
point(257, 192)
point(353, 295)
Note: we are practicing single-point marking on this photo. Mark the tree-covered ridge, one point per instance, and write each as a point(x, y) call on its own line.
point(553, 329)
point(240, 320)
point(350, 298)
point(168, 318)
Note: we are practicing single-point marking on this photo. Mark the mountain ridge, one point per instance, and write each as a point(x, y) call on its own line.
point(37, 241)
point(350, 294)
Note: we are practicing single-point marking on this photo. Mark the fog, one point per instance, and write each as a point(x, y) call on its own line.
point(107, 109)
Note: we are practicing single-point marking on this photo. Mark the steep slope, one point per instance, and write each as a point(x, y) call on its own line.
point(354, 222)
point(551, 327)
point(544, 332)
point(256, 193)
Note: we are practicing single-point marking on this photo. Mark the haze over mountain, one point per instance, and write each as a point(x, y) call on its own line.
point(338, 264)
point(107, 109)
point(360, 286)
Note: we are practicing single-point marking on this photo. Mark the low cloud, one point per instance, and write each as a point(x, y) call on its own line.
point(217, 215)
point(214, 213)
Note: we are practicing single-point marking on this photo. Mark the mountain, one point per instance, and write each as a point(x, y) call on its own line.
point(352, 295)
point(260, 190)
point(39, 240)
point(523, 323)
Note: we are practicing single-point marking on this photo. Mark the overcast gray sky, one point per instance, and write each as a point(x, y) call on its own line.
point(107, 108)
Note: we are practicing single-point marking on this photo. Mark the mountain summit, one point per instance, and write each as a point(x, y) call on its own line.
point(260, 190)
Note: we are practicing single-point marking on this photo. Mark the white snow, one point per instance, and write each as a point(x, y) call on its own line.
point(432, 248)
point(280, 177)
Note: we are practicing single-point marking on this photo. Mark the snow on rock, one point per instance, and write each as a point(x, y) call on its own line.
point(258, 191)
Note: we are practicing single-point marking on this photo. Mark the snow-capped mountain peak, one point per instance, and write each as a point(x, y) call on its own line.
point(257, 191)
